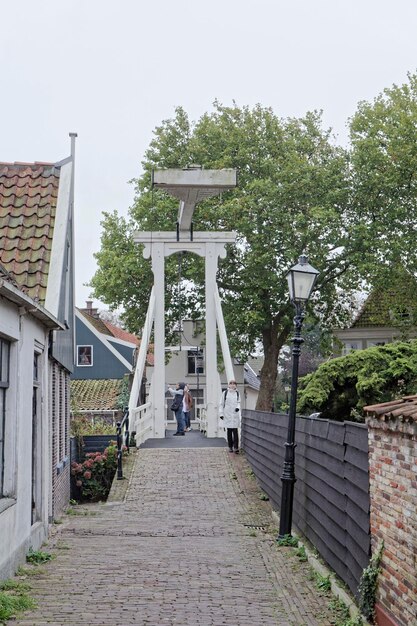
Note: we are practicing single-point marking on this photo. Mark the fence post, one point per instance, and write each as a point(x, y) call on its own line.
point(119, 451)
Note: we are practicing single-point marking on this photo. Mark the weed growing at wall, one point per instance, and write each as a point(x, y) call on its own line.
point(38, 557)
point(14, 599)
point(368, 585)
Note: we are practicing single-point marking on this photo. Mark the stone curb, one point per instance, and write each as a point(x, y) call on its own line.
point(119, 487)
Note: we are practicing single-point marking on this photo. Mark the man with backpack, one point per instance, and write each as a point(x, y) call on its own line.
point(177, 407)
point(230, 414)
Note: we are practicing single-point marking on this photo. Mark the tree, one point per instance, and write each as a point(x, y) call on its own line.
point(384, 161)
point(340, 388)
point(293, 195)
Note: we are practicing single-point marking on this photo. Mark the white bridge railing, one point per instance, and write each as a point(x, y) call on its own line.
point(201, 418)
point(142, 422)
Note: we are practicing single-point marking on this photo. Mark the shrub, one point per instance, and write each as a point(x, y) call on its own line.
point(95, 475)
point(340, 388)
point(82, 425)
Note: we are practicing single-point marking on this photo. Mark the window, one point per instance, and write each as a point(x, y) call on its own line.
point(371, 343)
point(84, 356)
point(196, 361)
point(4, 383)
point(350, 346)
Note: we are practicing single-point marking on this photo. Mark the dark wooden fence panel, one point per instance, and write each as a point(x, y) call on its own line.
point(331, 498)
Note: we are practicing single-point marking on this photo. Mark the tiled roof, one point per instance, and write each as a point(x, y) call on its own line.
point(28, 198)
point(96, 395)
point(384, 307)
point(98, 324)
point(119, 333)
point(404, 409)
point(250, 377)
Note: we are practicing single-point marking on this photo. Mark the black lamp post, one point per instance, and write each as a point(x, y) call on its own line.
point(199, 362)
point(301, 279)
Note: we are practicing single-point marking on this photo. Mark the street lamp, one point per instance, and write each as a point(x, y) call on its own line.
point(301, 279)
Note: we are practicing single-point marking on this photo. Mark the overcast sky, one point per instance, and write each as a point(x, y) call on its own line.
point(112, 71)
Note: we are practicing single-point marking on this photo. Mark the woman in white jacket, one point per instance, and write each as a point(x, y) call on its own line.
point(230, 414)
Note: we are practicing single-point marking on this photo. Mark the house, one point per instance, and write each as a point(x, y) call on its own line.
point(187, 364)
point(37, 351)
point(105, 355)
point(103, 350)
point(387, 315)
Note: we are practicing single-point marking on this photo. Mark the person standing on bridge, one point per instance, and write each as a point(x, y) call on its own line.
point(187, 405)
point(177, 407)
point(230, 414)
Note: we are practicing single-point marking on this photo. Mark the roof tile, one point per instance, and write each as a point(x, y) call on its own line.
point(403, 409)
point(28, 198)
point(96, 395)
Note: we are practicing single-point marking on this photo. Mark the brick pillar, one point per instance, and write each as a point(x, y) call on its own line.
point(393, 494)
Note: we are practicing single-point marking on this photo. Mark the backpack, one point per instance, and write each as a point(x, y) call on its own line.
point(225, 396)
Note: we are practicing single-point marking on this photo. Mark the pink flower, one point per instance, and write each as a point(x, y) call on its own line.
point(87, 475)
point(79, 483)
point(88, 463)
point(76, 468)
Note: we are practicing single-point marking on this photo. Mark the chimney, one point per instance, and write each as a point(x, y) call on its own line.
point(89, 309)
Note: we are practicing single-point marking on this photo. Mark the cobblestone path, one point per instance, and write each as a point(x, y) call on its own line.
point(192, 544)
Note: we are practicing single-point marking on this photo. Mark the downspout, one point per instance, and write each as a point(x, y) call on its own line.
point(73, 136)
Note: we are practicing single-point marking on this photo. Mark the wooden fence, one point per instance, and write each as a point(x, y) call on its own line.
point(331, 499)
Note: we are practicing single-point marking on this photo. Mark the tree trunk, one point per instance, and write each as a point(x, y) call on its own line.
point(273, 339)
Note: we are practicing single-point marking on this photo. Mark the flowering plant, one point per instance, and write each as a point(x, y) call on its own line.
point(94, 476)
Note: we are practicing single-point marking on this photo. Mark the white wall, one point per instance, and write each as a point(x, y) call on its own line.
point(16, 529)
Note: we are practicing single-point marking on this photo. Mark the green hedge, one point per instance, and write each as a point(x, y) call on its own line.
point(340, 388)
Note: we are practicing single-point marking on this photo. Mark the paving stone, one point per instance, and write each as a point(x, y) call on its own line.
point(192, 544)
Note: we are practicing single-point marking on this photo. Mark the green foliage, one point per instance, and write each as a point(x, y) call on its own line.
point(14, 599)
point(288, 540)
point(82, 425)
point(322, 582)
point(352, 211)
point(94, 476)
point(292, 196)
point(301, 554)
point(384, 159)
point(340, 388)
point(38, 557)
point(342, 616)
point(340, 612)
point(369, 583)
point(123, 399)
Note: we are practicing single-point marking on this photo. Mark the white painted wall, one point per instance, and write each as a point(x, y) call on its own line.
point(16, 530)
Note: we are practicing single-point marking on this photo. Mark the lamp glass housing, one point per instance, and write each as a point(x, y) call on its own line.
point(301, 279)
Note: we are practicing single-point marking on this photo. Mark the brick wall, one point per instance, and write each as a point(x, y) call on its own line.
point(393, 492)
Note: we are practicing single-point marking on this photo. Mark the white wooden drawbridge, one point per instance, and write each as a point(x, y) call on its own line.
point(190, 186)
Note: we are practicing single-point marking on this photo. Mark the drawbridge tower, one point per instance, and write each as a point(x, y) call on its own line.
point(190, 186)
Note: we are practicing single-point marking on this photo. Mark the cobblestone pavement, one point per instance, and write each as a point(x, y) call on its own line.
point(192, 544)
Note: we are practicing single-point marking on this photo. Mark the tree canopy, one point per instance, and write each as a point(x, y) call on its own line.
point(297, 192)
